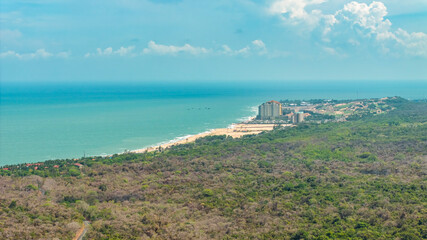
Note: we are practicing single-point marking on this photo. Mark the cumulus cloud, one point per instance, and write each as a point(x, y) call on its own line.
point(10, 54)
point(414, 43)
point(38, 54)
point(294, 12)
point(355, 24)
point(122, 51)
point(293, 9)
point(41, 53)
point(226, 50)
point(259, 45)
point(160, 49)
point(107, 51)
point(256, 47)
point(369, 17)
point(370, 22)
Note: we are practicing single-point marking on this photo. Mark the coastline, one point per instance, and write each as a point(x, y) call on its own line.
point(235, 130)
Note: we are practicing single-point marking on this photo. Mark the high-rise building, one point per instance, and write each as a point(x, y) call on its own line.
point(294, 118)
point(300, 117)
point(269, 110)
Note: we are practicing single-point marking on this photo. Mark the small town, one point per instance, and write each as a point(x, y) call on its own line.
point(317, 110)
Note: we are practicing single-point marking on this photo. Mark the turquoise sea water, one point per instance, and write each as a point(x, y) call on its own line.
point(41, 122)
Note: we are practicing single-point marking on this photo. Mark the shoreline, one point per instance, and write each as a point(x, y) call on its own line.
point(235, 130)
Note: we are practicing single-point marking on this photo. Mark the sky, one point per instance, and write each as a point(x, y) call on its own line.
point(67, 41)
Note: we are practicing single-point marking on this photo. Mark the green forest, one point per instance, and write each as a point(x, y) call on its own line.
point(365, 178)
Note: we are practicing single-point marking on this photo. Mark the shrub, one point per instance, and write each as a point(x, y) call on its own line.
point(74, 172)
point(31, 187)
point(208, 192)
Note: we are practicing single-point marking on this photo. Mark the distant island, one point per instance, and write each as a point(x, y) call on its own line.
point(312, 169)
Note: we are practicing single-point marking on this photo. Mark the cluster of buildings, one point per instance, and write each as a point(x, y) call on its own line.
point(272, 110)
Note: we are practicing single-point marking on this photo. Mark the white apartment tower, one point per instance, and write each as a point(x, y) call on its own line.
point(269, 110)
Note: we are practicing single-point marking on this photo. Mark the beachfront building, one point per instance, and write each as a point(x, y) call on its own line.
point(298, 117)
point(269, 110)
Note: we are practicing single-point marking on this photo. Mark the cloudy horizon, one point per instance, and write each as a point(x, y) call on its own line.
point(74, 41)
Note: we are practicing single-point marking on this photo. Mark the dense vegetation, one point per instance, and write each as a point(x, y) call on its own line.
point(318, 117)
point(360, 179)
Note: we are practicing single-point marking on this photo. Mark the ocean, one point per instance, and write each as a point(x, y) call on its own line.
point(39, 122)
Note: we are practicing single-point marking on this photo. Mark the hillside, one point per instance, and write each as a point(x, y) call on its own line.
point(365, 178)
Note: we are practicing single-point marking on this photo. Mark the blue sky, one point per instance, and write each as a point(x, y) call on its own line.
point(225, 40)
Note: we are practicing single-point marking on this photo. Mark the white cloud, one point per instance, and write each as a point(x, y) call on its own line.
point(259, 45)
point(355, 24)
point(295, 9)
point(41, 53)
point(154, 48)
point(256, 47)
point(226, 49)
point(369, 17)
point(122, 51)
point(369, 21)
point(9, 54)
point(105, 52)
point(38, 54)
point(414, 43)
point(294, 12)
point(243, 51)
point(109, 51)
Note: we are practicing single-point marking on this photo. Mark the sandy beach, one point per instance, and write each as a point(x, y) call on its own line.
point(236, 131)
